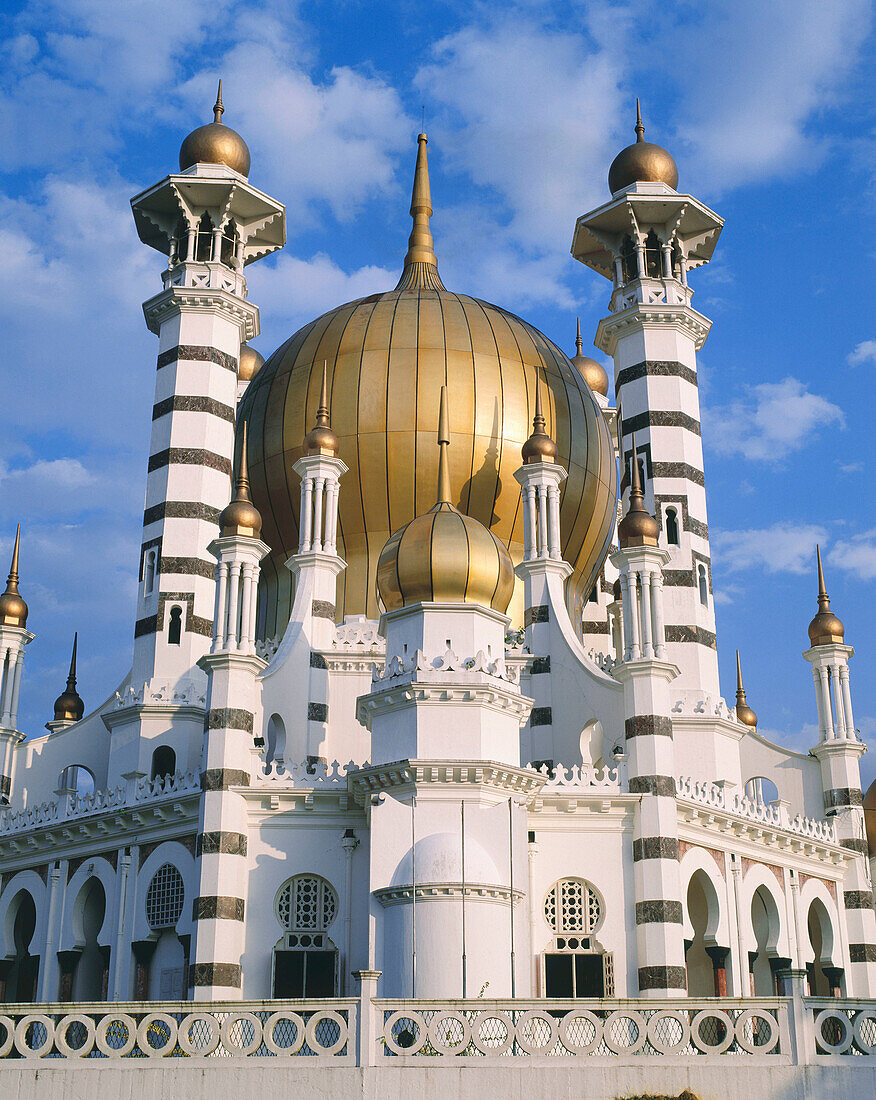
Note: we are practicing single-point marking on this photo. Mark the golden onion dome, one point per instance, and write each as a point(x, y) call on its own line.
point(870, 818)
point(444, 556)
point(215, 143)
point(388, 356)
point(69, 706)
point(638, 527)
point(321, 440)
point(593, 373)
point(241, 517)
point(825, 628)
point(539, 447)
point(642, 162)
point(249, 363)
point(13, 609)
point(744, 713)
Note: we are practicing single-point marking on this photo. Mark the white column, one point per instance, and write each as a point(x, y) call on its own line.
point(529, 497)
point(618, 271)
point(838, 702)
point(331, 515)
point(5, 686)
point(256, 570)
point(306, 517)
point(114, 993)
point(553, 522)
point(190, 244)
point(640, 259)
point(658, 633)
point(625, 611)
point(318, 490)
point(847, 702)
point(233, 605)
point(667, 261)
point(635, 647)
point(16, 689)
point(246, 639)
point(543, 551)
point(219, 607)
point(823, 732)
point(824, 693)
point(348, 844)
point(645, 581)
point(217, 244)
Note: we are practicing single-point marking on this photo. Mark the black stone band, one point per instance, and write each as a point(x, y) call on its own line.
point(660, 418)
point(858, 899)
point(691, 634)
point(188, 567)
point(180, 509)
point(185, 403)
point(648, 725)
point(227, 974)
point(229, 718)
point(540, 665)
point(655, 847)
point(663, 786)
point(655, 368)
point(538, 614)
point(595, 627)
point(838, 797)
point(222, 779)
point(658, 912)
point(682, 470)
point(229, 844)
point(862, 952)
point(317, 712)
point(196, 353)
point(189, 456)
point(856, 844)
point(662, 977)
point(218, 908)
point(540, 716)
point(679, 578)
point(322, 609)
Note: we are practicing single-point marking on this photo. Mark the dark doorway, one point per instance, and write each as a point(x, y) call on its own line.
point(304, 974)
point(22, 980)
point(568, 976)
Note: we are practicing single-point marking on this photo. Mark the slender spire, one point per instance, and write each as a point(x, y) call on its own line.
point(241, 489)
point(539, 447)
point(635, 481)
point(321, 440)
point(443, 444)
point(638, 527)
point(71, 675)
point(13, 609)
point(421, 263)
point(322, 413)
point(825, 628)
point(640, 129)
point(823, 598)
point(12, 579)
point(69, 706)
point(241, 517)
point(744, 713)
point(218, 107)
point(579, 343)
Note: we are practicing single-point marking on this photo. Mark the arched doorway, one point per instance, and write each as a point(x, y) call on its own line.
point(21, 981)
point(89, 979)
point(765, 925)
point(823, 978)
point(704, 960)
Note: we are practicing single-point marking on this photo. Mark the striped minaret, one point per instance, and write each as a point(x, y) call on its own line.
point(646, 674)
point(839, 751)
point(219, 910)
point(645, 239)
point(210, 222)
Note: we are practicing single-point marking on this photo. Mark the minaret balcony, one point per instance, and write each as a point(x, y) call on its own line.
point(205, 275)
point(650, 291)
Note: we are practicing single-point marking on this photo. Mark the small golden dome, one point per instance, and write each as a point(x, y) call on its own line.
point(642, 162)
point(444, 556)
point(241, 517)
point(539, 447)
point(321, 440)
point(69, 706)
point(249, 363)
point(638, 527)
point(215, 143)
point(825, 628)
point(593, 373)
point(13, 609)
point(870, 818)
point(744, 713)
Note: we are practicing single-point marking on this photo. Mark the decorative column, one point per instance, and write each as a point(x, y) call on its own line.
point(14, 636)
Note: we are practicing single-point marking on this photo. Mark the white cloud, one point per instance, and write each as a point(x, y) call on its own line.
point(856, 555)
point(779, 418)
point(865, 352)
point(781, 548)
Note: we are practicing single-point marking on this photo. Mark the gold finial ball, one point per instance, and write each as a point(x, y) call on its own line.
point(637, 528)
point(539, 448)
point(215, 143)
point(13, 610)
point(826, 629)
point(241, 517)
point(445, 556)
point(746, 715)
point(249, 363)
point(593, 373)
point(69, 706)
point(321, 440)
point(642, 162)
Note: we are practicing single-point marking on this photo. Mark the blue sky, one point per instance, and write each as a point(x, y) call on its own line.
point(768, 109)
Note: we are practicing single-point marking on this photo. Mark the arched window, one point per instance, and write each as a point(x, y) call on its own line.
point(704, 585)
point(230, 241)
point(672, 526)
point(163, 762)
point(628, 260)
point(204, 245)
point(275, 748)
point(823, 977)
point(306, 903)
point(574, 965)
point(174, 627)
point(165, 897)
point(761, 790)
point(21, 978)
point(89, 979)
point(76, 779)
point(306, 960)
point(179, 242)
point(676, 261)
point(765, 925)
point(652, 255)
point(572, 905)
point(149, 574)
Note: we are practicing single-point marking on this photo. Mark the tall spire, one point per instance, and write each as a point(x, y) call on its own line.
point(13, 609)
point(241, 517)
point(421, 263)
point(825, 628)
point(640, 129)
point(218, 107)
point(638, 527)
point(744, 713)
point(579, 343)
point(321, 440)
point(443, 443)
point(539, 447)
point(69, 706)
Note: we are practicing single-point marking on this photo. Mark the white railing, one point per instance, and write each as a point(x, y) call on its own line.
point(316, 774)
point(843, 1027)
point(774, 816)
point(578, 777)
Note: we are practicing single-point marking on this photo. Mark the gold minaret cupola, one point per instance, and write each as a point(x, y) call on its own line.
point(444, 556)
point(638, 527)
point(593, 373)
point(825, 628)
point(744, 713)
point(13, 609)
point(241, 517)
point(421, 263)
point(321, 440)
point(215, 143)
point(69, 706)
point(642, 162)
point(539, 447)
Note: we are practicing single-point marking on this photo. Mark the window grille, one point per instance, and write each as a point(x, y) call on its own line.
point(572, 905)
point(165, 897)
point(306, 903)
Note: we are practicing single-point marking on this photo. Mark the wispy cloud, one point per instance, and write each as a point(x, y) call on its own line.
point(865, 352)
point(856, 555)
point(780, 548)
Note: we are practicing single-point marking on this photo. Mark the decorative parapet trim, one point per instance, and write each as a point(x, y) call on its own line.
point(398, 667)
point(432, 891)
point(368, 781)
point(359, 634)
point(493, 695)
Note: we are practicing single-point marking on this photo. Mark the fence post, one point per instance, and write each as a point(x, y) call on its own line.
point(799, 1018)
point(367, 1053)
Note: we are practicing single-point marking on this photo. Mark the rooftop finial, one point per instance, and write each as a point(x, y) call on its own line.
point(539, 447)
point(241, 489)
point(12, 579)
point(823, 598)
point(13, 609)
point(635, 480)
point(322, 413)
point(421, 263)
point(71, 676)
point(321, 440)
point(218, 108)
point(744, 713)
point(826, 628)
point(640, 129)
point(579, 343)
point(638, 527)
point(241, 517)
point(69, 706)
point(443, 444)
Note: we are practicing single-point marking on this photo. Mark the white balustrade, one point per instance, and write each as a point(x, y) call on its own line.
point(715, 796)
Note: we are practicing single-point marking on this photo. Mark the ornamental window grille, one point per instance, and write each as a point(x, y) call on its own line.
point(306, 903)
point(572, 905)
point(165, 897)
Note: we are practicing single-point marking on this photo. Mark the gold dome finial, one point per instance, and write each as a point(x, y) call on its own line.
point(249, 363)
point(69, 706)
point(13, 609)
point(642, 162)
point(539, 447)
point(321, 440)
point(421, 263)
point(241, 517)
point(593, 373)
point(744, 713)
point(443, 496)
point(638, 527)
point(640, 129)
point(219, 109)
point(215, 143)
point(825, 628)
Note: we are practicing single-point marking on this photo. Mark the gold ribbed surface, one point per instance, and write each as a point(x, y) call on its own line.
point(388, 356)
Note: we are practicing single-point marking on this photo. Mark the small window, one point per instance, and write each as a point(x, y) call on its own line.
point(179, 241)
point(204, 245)
point(572, 905)
point(306, 903)
point(652, 255)
point(165, 897)
point(149, 577)
point(704, 585)
point(163, 762)
point(628, 260)
point(77, 779)
point(672, 526)
point(594, 595)
point(230, 240)
point(761, 790)
point(174, 628)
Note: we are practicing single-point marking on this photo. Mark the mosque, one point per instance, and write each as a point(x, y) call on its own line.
point(424, 694)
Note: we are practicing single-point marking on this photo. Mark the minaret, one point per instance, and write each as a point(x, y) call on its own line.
point(232, 668)
point(14, 636)
point(69, 707)
point(210, 222)
point(646, 239)
point(646, 674)
point(839, 751)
